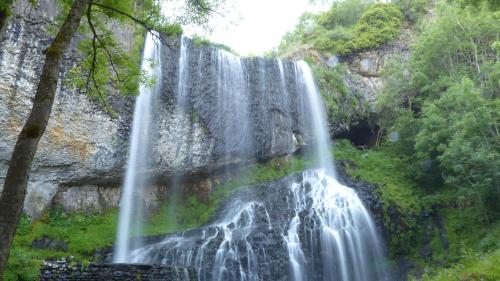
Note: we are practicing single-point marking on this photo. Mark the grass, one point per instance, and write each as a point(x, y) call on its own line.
point(399, 195)
point(477, 267)
point(387, 171)
point(81, 232)
point(474, 245)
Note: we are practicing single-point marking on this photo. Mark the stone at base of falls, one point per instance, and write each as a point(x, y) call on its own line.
point(64, 270)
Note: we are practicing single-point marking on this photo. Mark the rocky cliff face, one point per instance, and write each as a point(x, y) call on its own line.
point(227, 110)
point(82, 143)
point(249, 236)
point(81, 158)
point(363, 82)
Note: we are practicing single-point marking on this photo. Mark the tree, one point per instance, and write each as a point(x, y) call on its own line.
point(458, 43)
point(14, 191)
point(459, 132)
point(105, 63)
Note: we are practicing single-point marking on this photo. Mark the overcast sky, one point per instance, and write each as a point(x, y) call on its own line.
point(256, 26)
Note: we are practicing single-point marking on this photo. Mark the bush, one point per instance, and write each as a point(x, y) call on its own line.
point(413, 10)
point(379, 24)
point(344, 13)
point(349, 26)
point(458, 134)
point(458, 43)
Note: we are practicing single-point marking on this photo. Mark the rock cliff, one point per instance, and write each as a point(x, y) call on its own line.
point(81, 158)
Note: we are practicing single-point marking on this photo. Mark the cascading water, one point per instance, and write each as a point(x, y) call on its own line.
point(342, 233)
point(306, 227)
point(139, 152)
point(318, 116)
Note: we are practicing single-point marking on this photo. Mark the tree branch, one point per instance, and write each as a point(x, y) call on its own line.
point(96, 36)
point(144, 24)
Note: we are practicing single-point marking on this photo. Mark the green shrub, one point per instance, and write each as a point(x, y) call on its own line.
point(378, 24)
point(458, 43)
point(479, 267)
point(201, 41)
point(397, 191)
point(343, 13)
point(381, 23)
point(413, 10)
point(457, 133)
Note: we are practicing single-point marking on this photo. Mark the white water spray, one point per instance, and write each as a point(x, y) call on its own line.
point(139, 152)
point(312, 228)
point(350, 248)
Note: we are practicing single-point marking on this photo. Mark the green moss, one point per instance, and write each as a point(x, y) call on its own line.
point(179, 214)
point(399, 195)
point(476, 267)
point(344, 105)
point(389, 172)
point(81, 232)
point(201, 41)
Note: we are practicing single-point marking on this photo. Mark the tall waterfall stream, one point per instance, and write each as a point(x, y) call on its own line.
point(308, 227)
point(139, 150)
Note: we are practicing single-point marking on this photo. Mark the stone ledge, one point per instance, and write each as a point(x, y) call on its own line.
point(64, 270)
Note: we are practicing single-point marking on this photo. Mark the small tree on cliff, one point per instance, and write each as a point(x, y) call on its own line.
point(104, 63)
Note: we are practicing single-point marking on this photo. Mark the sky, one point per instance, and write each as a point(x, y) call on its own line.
point(257, 26)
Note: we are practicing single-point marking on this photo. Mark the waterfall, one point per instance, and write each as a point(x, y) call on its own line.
point(232, 104)
point(306, 226)
point(343, 231)
point(322, 144)
point(139, 153)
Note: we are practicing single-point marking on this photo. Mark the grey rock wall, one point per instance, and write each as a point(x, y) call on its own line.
point(81, 157)
point(82, 143)
point(63, 270)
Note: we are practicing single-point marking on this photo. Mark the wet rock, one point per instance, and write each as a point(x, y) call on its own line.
point(46, 242)
point(63, 270)
point(84, 149)
point(257, 235)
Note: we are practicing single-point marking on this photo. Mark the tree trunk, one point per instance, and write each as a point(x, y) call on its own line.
point(14, 190)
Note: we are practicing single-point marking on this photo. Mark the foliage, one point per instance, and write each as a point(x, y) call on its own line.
point(440, 112)
point(399, 194)
point(108, 63)
point(474, 245)
point(348, 27)
point(478, 267)
point(491, 4)
point(5, 10)
point(343, 13)
point(379, 24)
point(460, 132)
point(394, 105)
point(295, 39)
point(344, 105)
point(413, 10)
point(81, 232)
point(201, 41)
point(457, 44)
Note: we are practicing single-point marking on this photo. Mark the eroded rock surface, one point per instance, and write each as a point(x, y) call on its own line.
point(84, 148)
